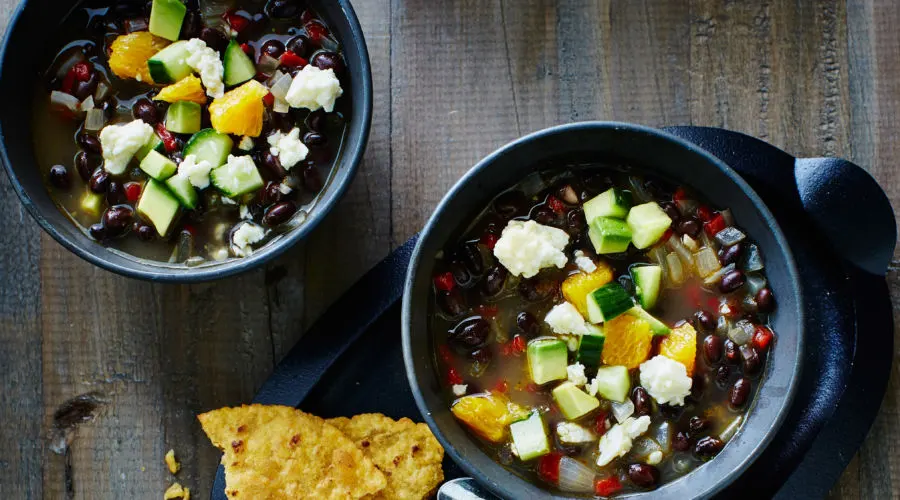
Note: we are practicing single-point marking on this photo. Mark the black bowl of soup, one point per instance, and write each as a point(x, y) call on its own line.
point(180, 140)
point(603, 309)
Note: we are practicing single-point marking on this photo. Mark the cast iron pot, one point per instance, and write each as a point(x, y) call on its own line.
point(655, 152)
point(20, 70)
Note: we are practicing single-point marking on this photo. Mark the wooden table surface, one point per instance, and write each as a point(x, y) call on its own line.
point(454, 79)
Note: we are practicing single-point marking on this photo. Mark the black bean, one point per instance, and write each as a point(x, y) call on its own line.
point(460, 273)
point(739, 392)
point(712, 348)
point(471, 257)
point(722, 375)
point(536, 289)
point(670, 209)
point(317, 120)
point(271, 193)
point(279, 213)
point(452, 303)
point(214, 38)
point(83, 90)
point(704, 321)
point(299, 45)
point(730, 255)
point(328, 60)
point(482, 356)
point(575, 220)
point(765, 301)
point(643, 475)
point(732, 281)
point(731, 352)
point(671, 411)
point(192, 25)
point(314, 139)
point(528, 324)
point(698, 425)
point(97, 231)
point(115, 193)
point(643, 405)
point(698, 386)
point(750, 358)
point(59, 177)
point(312, 178)
point(544, 216)
point(283, 9)
point(89, 143)
point(144, 232)
point(117, 220)
point(510, 204)
point(273, 48)
point(471, 333)
point(273, 165)
point(708, 447)
point(85, 165)
point(681, 441)
point(145, 110)
point(494, 281)
point(689, 226)
point(99, 181)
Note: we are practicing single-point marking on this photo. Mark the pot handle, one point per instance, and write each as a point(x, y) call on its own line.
point(850, 209)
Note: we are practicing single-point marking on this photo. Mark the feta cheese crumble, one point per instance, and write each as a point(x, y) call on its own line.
point(196, 172)
point(314, 88)
point(460, 389)
point(666, 380)
point(565, 318)
point(289, 149)
point(584, 262)
point(205, 61)
point(120, 142)
point(618, 440)
point(246, 143)
point(246, 235)
point(244, 212)
point(572, 433)
point(524, 248)
point(576, 374)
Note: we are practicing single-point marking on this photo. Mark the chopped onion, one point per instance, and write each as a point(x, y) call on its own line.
point(183, 249)
point(722, 326)
point(664, 437)
point(729, 218)
point(95, 120)
point(752, 259)
point(281, 86)
point(731, 429)
point(643, 447)
point(749, 303)
point(755, 283)
point(622, 410)
point(683, 253)
point(64, 101)
point(715, 277)
point(638, 190)
point(682, 463)
point(101, 92)
point(658, 255)
point(575, 476)
point(686, 206)
point(676, 271)
point(280, 106)
point(707, 262)
point(706, 241)
point(730, 236)
point(689, 243)
point(87, 104)
point(741, 332)
point(267, 64)
point(211, 11)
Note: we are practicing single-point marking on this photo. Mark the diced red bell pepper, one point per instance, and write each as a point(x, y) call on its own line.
point(82, 71)
point(453, 377)
point(518, 344)
point(501, 386)
point(269, 100)
point(762, 337)
point(716, 224)
point(556, 205)
point(704, 213)
point(316, 32)
point(444, 281)
point(600, 423)
point(679, 195)
point(68, 83)
point(236, 21)
point(247, 49)
point(169, 141)
point(607, 486)
point(489, 240)
point(292, 60)
point(548, 467)
point(132, 191)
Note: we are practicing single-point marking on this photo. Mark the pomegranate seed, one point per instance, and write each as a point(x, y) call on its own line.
point(247, 49)
point(548, 467)
point(607, 486)
point(82, 71)
point(269, 99)
point(167, 137)
point(453, 377)
point(556, 205)
point(518, 344)
point(446, 353)
point(600, 423)
point(489, 240)
point(444, 281)
point(704, 213)
point(679, 195)
point(316, 32)
point(501, 386)
point(292, 60)
point(236, 21)
point(133, 191)
point(487, 311)
point(715, 225)
point(762, 337)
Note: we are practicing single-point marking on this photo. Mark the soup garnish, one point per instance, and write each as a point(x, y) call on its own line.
point(201, 132)
point(599, 332)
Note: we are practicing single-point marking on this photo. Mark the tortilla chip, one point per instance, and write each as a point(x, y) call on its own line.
point(406, 452)
point(277, 452)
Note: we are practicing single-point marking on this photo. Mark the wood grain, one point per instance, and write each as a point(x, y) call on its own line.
point(454, 79)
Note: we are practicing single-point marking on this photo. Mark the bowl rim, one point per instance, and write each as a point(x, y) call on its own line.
point(355, 144)
point(416, 260)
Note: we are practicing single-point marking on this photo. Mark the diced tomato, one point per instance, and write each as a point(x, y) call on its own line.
point(501, 386)
point(762, 337)
point(247, 49)
point(453, 376)
point(600, 423)
point(82, 71)
point(444, 281)
point(167, 137)
point(548, 467)
point(316, 31)
point(556, 205)
point(292, 60)
point(704, 213)
point(133, 191)
point(445, 353)
point(716, 224)
point(269, 99)
point(679, 195)
point(667, 235)
point(518, 344)
point(489, 240)
point(235, 20)
point(607, 486)
point(68, 82)
point(487, 311)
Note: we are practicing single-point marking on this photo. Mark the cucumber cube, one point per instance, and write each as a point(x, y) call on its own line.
point(158, 166)
point(613, 383)
point(573, 402)
point(166, 17)
point(169, 64)
point(547, 360)
point(183, 117)
point(181, 187)
point(648, 222)
point(613, 202)
point(609, 235)
point(158, 205)
point(607, 302)
point(656, 326)
point(154, 144)
point(590, 349)
point(530, 437)
point(647, 281)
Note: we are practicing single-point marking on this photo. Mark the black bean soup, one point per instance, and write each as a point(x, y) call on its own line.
point(599, 331)
point(240, 188)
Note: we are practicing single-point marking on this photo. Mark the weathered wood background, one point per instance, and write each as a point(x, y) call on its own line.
point(454, 79)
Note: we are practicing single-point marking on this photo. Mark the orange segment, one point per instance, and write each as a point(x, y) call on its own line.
point(576, 287)
point(129, 53)
point(681, 345)
point(488, 415)
point(188, 88)
point(628, 341)
point(239, 111)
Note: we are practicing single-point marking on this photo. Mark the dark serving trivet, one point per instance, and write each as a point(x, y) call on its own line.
point(842, 275)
